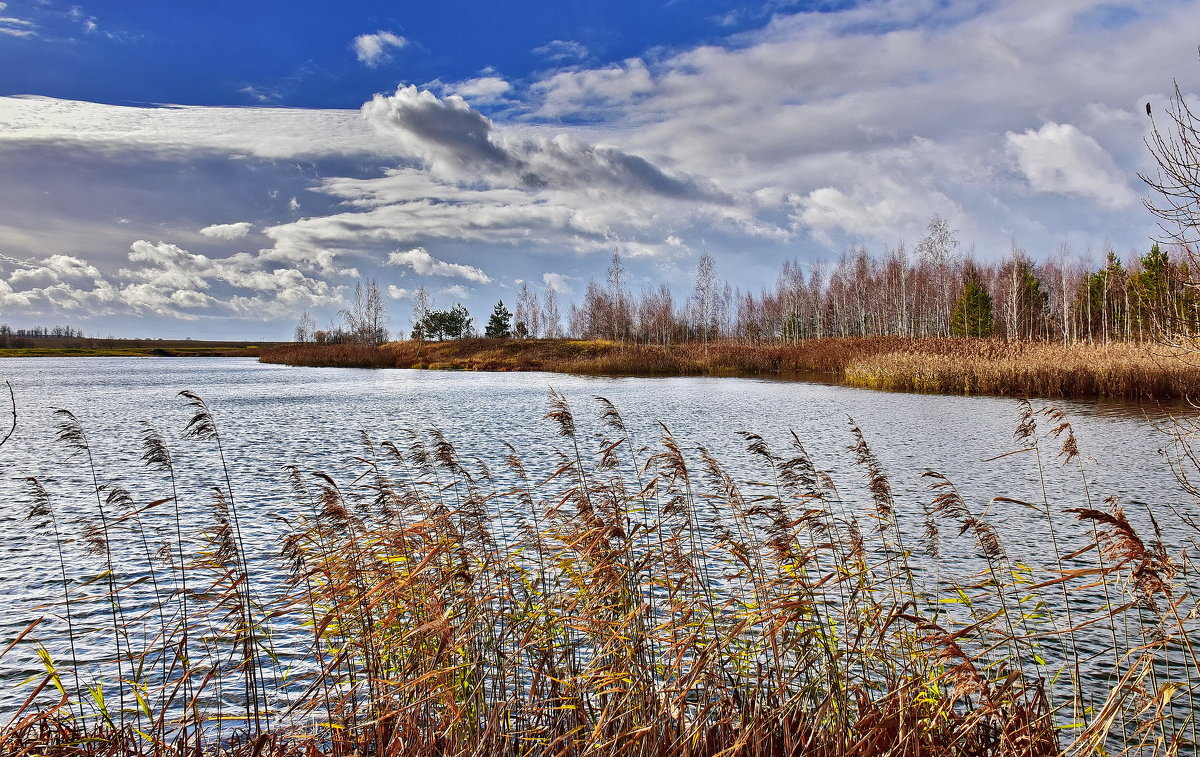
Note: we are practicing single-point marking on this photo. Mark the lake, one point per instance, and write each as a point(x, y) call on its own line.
point(270, 416)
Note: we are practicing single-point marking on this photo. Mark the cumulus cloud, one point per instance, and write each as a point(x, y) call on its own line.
point(398, 293)
point(883, 210)
point(55, 268)
point(372, 49)
point(421, 262)
point(588, 90)
point(227, 232)
point(162, 279)
point(1060, 158)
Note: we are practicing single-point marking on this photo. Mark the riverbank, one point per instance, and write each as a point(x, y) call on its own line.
point(954, 366)
point(84, 347)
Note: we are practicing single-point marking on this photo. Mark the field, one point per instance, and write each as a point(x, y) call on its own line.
point(958, 366)
point(627, 596)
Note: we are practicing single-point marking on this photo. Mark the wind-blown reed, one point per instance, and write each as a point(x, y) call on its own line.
point(620, 599)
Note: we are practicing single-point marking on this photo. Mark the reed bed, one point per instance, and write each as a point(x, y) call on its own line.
point(1125, 369)
point(610, 599)
point(957, 366)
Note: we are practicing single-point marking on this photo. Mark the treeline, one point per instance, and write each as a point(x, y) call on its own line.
point(41, 332)
point(933, 292)
point(37, 336)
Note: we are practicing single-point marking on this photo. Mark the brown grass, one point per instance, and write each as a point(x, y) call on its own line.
point(955, 366)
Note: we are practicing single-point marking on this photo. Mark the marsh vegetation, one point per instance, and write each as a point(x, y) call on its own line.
point(621, 594)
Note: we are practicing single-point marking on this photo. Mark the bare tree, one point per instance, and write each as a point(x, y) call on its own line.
point(1175, 146)
point(551, 315)
point(420, 309)
point(375, 315)
point(619, 320)
point(528, 315)
point(937, 249)
point(705, 297)
point(306, 329)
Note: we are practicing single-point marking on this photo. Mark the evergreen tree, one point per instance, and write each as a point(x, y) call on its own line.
point(972, 315)
point(499, 326)
point(445, 324)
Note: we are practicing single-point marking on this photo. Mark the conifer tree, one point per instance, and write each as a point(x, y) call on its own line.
point(499, 325)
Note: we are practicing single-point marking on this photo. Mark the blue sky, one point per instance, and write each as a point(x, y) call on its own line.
point(300, 53)
point(470, 147)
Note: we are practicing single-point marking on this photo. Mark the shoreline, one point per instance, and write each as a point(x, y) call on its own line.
point(74, 347)
point(929, 365)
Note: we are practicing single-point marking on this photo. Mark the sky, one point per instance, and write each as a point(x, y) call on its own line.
point(213, 170)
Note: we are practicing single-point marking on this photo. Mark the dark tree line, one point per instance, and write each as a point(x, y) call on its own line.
point(41, 332)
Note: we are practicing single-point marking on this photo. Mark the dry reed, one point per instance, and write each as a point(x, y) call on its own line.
point(623, 600)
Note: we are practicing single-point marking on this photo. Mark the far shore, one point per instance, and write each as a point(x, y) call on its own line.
point(98, 347)
point(938, 365)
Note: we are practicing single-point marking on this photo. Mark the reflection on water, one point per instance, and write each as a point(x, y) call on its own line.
point(271, 416)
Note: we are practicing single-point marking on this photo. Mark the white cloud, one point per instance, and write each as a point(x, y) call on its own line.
point(372, 49)
point(482, 89)
point(558, 282)
point(260, 95)
point(181, 133)
point(227, 232)
point(397, 293)
point(561, 51)
point(1060, 158)
point(457, 290)
point(578, 92)
point(79, 16)
point(55, 268)
point(421, 262)
point(459, 143)
point(882, 210)
point(17, 27)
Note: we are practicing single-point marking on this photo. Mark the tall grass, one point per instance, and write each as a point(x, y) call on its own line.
point(956, 366)
point(628, 597)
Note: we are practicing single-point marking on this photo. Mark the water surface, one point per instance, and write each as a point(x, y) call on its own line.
point(270, 416)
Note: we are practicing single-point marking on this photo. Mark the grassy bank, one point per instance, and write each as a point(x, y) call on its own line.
point(86, 347)
point(614, 600)
point(971, 366)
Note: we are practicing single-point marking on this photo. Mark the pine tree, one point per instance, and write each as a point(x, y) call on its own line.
point(972, 314)
point(499, 326)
